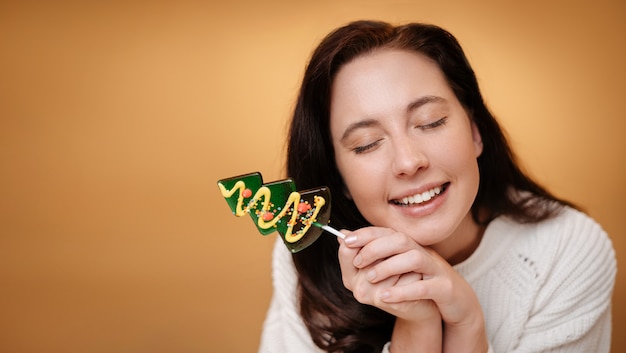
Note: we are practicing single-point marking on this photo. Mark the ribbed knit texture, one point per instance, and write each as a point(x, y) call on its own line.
point(543, 287)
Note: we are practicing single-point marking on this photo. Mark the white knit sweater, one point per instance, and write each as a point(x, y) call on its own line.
point(543, 287)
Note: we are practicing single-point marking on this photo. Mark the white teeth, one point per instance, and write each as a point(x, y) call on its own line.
point(422, 197)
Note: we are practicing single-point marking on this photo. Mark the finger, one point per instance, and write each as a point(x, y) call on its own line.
point(367, 293)
point(439, 281)
point(453, 308)
point(407, 288)
point(346, 258)
point(363, 236)
point(412, 261)
point(381, 248)
point(346, 233)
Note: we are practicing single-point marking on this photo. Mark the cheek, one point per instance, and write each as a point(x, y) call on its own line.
point(359, 176)
point(350, 172)
point(465, 166)
point(457, 158)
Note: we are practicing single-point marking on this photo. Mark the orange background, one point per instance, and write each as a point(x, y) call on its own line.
point(117, 119)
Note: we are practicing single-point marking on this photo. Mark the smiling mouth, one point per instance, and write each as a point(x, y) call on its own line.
point(421, 197)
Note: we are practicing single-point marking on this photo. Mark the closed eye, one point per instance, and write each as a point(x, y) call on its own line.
point(433, 125)
point(365, 148)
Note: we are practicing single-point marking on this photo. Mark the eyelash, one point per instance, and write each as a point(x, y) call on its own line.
point(363, 149)
point(433, 125)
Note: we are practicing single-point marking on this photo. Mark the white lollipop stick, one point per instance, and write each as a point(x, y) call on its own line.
point(330, 229)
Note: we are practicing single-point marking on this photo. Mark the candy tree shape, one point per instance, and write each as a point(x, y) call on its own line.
point(277, 206)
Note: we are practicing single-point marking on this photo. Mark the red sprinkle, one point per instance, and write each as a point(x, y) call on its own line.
point(247, 193)
point(303, 207)
point(267, 216)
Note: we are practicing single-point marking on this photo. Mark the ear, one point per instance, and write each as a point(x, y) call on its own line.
point(477, 139)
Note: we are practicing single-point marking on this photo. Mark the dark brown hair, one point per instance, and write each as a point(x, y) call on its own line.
point(336, 321)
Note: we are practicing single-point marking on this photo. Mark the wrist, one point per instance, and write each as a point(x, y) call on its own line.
point(424, 336)
point(467, 337)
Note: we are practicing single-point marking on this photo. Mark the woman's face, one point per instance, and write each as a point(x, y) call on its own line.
point(405, 147)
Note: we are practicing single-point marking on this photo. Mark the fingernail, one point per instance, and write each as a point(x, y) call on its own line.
point(385, 295)
point(357, 260)
point(371, 275)
point(350, 239)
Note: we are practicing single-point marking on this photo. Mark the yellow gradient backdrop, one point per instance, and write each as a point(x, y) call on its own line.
point(117, 119)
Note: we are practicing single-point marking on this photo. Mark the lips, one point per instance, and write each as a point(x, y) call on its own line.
point(422, 197)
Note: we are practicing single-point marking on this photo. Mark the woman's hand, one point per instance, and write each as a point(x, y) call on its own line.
point(360, 267)
point(391, 271)
point(418, 322)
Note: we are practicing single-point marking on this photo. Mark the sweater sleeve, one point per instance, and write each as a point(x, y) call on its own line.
point(283, 329)
point(572, 307)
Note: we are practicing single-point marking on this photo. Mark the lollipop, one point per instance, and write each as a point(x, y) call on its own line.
point(298, 216)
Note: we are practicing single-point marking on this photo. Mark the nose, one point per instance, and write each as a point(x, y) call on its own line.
point(408, 157)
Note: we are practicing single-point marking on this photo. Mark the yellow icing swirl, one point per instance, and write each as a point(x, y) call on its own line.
point(291, 204)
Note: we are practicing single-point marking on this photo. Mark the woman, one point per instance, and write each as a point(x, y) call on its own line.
point(449, 245)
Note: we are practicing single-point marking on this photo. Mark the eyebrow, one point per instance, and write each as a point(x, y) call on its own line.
point(423, 101)
point(372, 122)
point(358, 125)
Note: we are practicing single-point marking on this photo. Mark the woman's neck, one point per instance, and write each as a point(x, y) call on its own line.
point(462, 243)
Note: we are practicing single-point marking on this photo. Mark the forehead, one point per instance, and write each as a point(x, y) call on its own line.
point(386, 79)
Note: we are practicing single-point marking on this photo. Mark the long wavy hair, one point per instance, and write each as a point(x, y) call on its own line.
point(336, 321)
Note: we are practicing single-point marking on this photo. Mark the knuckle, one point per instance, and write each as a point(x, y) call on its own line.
point(415, 260)
point(361, 294)
point(448, 286)
point(405, 241)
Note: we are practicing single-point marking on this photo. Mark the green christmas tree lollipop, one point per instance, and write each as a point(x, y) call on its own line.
point(298, 216)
